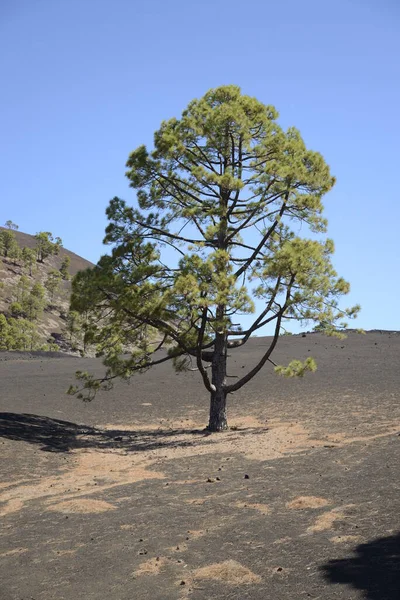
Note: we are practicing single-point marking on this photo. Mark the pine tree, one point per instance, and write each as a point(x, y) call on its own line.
point(21, 291)
point(34, 303)
point(10, 225)
point(21, 334)
point(46, 245)
point(53, 283)
point(64, 269)
point(8, 244)
point(75, 329)
point(4, 333)
point(225, 191)
point(28, 257)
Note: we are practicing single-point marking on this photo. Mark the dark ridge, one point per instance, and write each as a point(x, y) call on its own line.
point(77, 262)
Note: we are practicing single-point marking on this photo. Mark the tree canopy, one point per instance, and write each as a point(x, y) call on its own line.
point(8, 244)
point(46, 245)
point(213, 235)
point(10, 225)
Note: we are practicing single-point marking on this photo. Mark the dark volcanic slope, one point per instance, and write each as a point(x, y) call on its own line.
point(122, 499)
point(51, 321)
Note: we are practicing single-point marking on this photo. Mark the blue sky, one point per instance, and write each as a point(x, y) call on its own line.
point(84, 82)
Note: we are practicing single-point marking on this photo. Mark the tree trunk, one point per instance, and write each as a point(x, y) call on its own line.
point(218, 420)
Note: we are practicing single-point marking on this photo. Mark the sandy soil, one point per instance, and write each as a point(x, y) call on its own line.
point(129, 497)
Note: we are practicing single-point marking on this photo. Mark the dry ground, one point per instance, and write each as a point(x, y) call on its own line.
point(128, 498)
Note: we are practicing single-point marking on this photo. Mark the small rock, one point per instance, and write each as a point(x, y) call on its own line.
point(182, 583)
point(246, 476)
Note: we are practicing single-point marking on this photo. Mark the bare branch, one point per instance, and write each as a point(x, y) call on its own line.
point(260, 245)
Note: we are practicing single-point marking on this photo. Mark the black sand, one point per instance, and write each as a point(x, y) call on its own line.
point(127, 498)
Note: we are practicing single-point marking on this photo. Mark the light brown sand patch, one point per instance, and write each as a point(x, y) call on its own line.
point(307, 502)
point(335, 438)
point(89, 472)
point(261, 508)
point(186, 481)
point(150, 567)
point(10, 506)
point(371, 432)
point(327, 519)
point(14, 551)
point(182, 547)
point(229, 572)
point(345, 539)
point(196, 501)
point(82, 506)
point(247, 421)
point(69, 552)
point(127, 526)
point(196, 533)
point(252, 439)
point(7, 484)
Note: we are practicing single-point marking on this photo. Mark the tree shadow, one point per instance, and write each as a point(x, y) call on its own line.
point(55, 435)
point(375, 569)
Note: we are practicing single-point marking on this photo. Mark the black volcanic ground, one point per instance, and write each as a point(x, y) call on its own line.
point(127, 498)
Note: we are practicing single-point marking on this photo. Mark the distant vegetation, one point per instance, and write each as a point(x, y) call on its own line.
point(34, 293)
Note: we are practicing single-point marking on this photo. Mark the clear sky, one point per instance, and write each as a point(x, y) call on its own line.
point(84, 82)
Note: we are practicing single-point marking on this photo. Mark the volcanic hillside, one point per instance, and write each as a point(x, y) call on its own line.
point(51, 322)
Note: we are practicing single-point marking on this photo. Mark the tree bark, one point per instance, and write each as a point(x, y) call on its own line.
point(218, 421)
